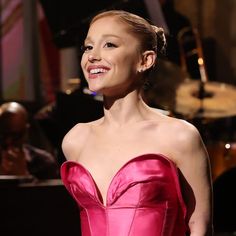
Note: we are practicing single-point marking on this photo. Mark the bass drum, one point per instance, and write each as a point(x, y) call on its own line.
point(222, 157)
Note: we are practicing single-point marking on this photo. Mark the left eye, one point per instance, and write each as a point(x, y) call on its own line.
point(110, 45)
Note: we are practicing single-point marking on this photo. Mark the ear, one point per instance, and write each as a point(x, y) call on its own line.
point(148, 60)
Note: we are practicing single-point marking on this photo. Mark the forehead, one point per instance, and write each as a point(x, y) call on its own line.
point(12, 121)
point(110, 25)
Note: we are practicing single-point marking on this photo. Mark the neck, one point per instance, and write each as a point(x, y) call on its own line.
point(124, 110)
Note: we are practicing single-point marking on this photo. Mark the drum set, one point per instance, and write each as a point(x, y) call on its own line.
point(209, 105)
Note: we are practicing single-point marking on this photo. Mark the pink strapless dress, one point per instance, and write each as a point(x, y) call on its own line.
point(143, 199)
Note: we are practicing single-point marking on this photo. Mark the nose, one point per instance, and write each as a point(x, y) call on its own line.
point(94, 56)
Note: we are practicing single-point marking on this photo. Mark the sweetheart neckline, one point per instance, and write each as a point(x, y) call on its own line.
point(98, 192)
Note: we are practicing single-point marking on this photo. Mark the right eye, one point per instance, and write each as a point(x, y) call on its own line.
point(85, 48)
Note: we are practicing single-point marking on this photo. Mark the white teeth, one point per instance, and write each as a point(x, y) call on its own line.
point(98, 70)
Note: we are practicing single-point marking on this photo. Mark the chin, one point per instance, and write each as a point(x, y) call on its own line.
point(94, 89)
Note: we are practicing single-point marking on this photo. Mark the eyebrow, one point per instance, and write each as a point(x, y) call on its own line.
point(104, 36)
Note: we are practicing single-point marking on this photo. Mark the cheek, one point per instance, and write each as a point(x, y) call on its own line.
point(83, 63)
point(129, 63)
point(123, 61)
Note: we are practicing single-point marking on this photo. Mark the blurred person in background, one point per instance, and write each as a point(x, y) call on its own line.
point(17, 156)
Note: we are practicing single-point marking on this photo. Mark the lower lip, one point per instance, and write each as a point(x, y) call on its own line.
point(95, 76)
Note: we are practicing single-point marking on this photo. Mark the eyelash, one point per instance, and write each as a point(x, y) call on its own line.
point(85, 48)
point(111, 45)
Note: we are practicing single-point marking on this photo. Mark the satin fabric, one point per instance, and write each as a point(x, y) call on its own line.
point(143, 199)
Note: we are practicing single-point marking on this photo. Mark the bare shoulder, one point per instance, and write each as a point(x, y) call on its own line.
point(75, 139)
point(182, 130)
point(184, 139)
point(177, 129)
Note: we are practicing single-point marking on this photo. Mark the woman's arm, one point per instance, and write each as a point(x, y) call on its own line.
point(195, 176)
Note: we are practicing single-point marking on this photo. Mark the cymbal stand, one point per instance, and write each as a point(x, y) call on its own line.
point(201, 93)
point(184, 36)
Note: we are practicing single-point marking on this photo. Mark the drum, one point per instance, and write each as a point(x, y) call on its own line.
point(222, 157)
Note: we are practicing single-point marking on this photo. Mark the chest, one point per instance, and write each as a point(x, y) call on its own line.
point(104, 161)
point(103, 157)
point(144, 179)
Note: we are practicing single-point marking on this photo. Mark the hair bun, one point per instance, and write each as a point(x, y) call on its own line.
point(161, 39)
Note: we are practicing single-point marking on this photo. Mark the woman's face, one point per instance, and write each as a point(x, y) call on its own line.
point(111, 57)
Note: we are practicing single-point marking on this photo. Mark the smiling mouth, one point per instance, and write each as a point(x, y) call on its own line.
point(97, 71)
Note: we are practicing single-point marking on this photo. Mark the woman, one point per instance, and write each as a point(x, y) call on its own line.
point(135, 171)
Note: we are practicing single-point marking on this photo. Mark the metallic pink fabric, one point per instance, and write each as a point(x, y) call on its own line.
point(143, 199)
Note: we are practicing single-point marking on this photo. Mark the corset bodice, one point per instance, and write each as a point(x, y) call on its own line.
point(143, 198)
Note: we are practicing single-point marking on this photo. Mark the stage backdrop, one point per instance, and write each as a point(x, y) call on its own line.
point(29, 60)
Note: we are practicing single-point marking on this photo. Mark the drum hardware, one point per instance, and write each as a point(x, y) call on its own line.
point(167, 77)
point(186, 35)
point(206, 100)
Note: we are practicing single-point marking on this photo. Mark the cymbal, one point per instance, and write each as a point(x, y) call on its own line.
point(212, 100)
